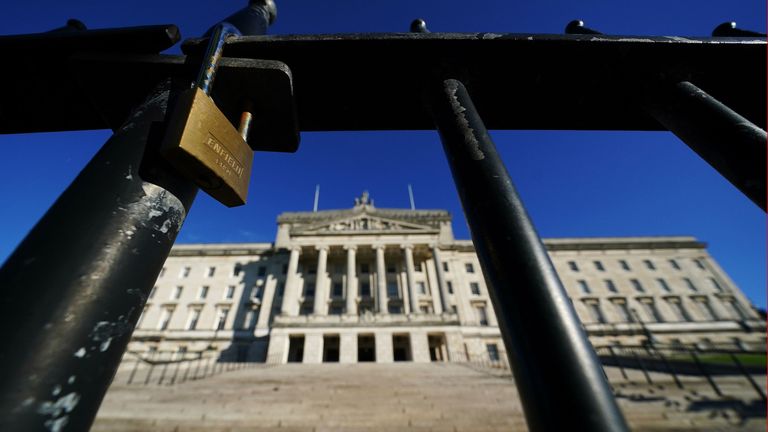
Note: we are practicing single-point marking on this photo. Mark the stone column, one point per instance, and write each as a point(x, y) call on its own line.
point(321, 296)
point(440, 279)
point(352, 290)
point(290, 304)
point(381, 281)
point(409, 271)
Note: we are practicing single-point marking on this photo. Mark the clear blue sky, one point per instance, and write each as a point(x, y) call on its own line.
point(574, 183)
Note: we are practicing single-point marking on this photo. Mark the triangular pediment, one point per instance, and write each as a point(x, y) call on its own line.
point(363, 223)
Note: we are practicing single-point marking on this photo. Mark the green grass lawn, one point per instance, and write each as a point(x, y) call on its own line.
point(724, 359)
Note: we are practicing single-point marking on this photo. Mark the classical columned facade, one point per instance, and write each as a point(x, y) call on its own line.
point(368, 284)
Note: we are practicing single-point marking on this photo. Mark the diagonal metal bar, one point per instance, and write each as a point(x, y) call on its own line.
point(558, 374)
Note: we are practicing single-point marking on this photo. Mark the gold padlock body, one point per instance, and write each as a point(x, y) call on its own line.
point(204, 146)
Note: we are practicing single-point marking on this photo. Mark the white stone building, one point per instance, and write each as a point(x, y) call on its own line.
point(369, 284)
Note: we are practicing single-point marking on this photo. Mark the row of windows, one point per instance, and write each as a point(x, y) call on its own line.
point(662, 284)
point(193, 318)
point(337, 289)
point(649, 264)
point(210, 271)
point(675, 305)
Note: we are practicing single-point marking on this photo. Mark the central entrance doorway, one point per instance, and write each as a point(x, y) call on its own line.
point(331, 348)
point(366, 348)
point(401, 347)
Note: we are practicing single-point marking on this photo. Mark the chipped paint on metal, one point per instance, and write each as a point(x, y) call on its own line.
point(58, 411)
point(458, 111)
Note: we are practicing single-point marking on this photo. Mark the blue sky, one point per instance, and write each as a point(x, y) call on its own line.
point(573, 183)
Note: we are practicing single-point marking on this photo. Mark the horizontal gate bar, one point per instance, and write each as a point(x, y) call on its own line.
point(566, 82)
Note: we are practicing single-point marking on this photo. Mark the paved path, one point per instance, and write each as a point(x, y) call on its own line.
point(393, 397)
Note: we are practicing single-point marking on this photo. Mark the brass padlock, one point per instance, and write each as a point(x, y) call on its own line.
point(201, 143)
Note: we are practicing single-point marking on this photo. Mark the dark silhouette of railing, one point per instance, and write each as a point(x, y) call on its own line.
point(74, 288)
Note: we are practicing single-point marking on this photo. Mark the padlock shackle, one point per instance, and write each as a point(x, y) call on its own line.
point(221, 32)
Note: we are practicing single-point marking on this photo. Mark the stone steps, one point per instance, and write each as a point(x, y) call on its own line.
point(383, 397)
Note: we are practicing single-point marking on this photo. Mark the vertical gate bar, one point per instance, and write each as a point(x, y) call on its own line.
point(74, 288)
point(728, 142)
point(557, 372)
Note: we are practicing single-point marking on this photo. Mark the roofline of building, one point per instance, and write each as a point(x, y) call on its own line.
point(552, 244)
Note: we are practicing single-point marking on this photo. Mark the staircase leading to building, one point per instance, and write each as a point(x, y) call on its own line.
point(401, 397)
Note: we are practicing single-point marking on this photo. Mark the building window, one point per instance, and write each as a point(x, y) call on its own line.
point(417, 266)
point(663, 285)
point(210, 272)
point(624, 265)
point(421, 287)
point(364, 268)
point(735, 308)
point(482, 315)
point(637, 285)
point(221, 318)
point(392, 291)
point(176, 294)
point(674, 264)
point(236, 270)
point(336, 310)
point(493, 352)
point(390, 269)
point(599, 266)
point(623, 310)
point(279, 289)
point(445, 266)
point(706, 309)
point(454, 309)
point(573, 266)
point(365, 289)
point(395, 309)
point(699, 263)
point(716, 286)
point(584, 286)
point(338, 289)
point(690, 285)
point(309, 290)
point(262, 271)
point(203, 292)
point(594, 310)
point(312, 270)
point(650, 309)
point(230, 292)
point(285, 269)
point(678, 309)
point(449, 286)
point(610, 286)
point(649, 264)
point(194, 316)
point(469, 267)
point(152, 291)
point(185, 272)
point(162, 272)
point(165, 318)
point(474, 287)
point(307, 308)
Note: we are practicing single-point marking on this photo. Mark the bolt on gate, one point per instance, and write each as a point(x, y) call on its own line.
point(73, 290)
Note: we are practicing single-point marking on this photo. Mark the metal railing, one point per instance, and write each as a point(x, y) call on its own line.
point(172, 367)
point(97, 252)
